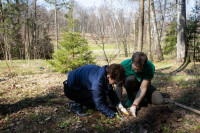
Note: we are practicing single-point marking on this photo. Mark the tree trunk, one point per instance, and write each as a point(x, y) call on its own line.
point(26, 33)
point(1, 21)
point(5, 37)
point(56, 25)
point(124, 37)
point(4, 34)
point(17, 36)
point(149, 32)
point(134, 37)
point(124, 41)
point(162, 18)
point(115, 34)
point(1, 12)
point(34, 31)
point(157, 39)
point(141, 26)
point(181, 31)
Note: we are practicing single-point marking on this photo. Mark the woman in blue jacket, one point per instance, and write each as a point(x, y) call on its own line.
point(90, 85)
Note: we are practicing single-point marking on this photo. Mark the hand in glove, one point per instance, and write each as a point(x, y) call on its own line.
point(120, 106)
point(133, 110)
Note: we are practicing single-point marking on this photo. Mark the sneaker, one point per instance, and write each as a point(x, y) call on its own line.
point(78, 109)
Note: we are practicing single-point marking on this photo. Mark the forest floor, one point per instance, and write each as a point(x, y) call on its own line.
point(34, 101)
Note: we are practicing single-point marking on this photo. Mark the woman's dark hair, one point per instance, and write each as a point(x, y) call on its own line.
point(116, 72)
point(139, 59)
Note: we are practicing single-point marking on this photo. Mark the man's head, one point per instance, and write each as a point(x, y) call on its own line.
point(139, 60)
point(115, 73)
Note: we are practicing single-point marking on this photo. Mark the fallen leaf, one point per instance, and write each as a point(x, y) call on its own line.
point(48, 118)
point(12, 124)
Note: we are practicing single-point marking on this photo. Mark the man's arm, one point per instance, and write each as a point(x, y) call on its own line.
point(140, 95)
point(142, 91)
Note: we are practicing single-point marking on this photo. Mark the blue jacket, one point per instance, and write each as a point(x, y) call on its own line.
point(94, 78)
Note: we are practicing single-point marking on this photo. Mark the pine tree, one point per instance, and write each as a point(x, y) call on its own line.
point(171, 39)
point(74, 51)
point(193, 32)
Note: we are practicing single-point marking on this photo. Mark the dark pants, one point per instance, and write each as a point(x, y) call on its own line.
point(82, 96)
point(132, 86)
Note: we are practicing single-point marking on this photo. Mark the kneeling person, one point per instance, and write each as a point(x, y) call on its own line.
point(139, 72)
point(90, 85)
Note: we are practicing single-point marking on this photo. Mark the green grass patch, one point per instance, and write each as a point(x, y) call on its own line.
point(23, 67)
point(166, 128)
point(178, 78)
point(96, 47)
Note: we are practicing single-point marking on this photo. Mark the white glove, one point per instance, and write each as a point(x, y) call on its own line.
point(120, 106)
point(133, 110)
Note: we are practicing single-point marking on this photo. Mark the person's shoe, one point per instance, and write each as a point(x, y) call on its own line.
point(78, 109)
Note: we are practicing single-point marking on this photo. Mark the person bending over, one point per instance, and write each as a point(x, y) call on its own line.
point(90, 85)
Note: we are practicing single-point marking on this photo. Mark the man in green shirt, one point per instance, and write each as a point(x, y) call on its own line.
point(139, 72)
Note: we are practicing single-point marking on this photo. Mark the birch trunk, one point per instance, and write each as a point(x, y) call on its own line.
point(34, 31)
point(115, 34)
point(181, 29)
point(134, 37)
point(56, 25)
point(157, 39)
point(149, 32)
point(141, 26)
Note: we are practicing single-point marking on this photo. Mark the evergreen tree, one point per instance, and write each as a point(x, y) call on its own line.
point(9, 28)
point(171, 39)
point(193, 32)
point(74, 51)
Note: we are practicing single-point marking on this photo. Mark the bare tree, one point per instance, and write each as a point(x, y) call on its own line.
point(162, 17)
point(157, 39)
point(149, 32)
point(119, 20)
point(181, 31)
point(123, 32)
point(34, 29)
point(141, 26)
point(56, 25)
point(1, 21)
point(115, 34)
point(56, 4)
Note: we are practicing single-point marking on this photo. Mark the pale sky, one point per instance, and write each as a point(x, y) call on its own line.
point(85, 3)
point(98, 3)
point(90, 3)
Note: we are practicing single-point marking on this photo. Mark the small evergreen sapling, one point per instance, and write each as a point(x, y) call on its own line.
point(73, 53)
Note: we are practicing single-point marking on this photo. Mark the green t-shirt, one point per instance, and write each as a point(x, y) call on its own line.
point(147, 73)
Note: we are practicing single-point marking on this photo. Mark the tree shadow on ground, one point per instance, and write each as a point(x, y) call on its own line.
point(28, 102)
point(182, 66)
point(166, 68)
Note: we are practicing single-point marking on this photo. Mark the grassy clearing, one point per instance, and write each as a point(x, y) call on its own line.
point(30, 79)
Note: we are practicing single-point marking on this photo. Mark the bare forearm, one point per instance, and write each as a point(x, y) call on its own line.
point(142, 91)
point(140, 95)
